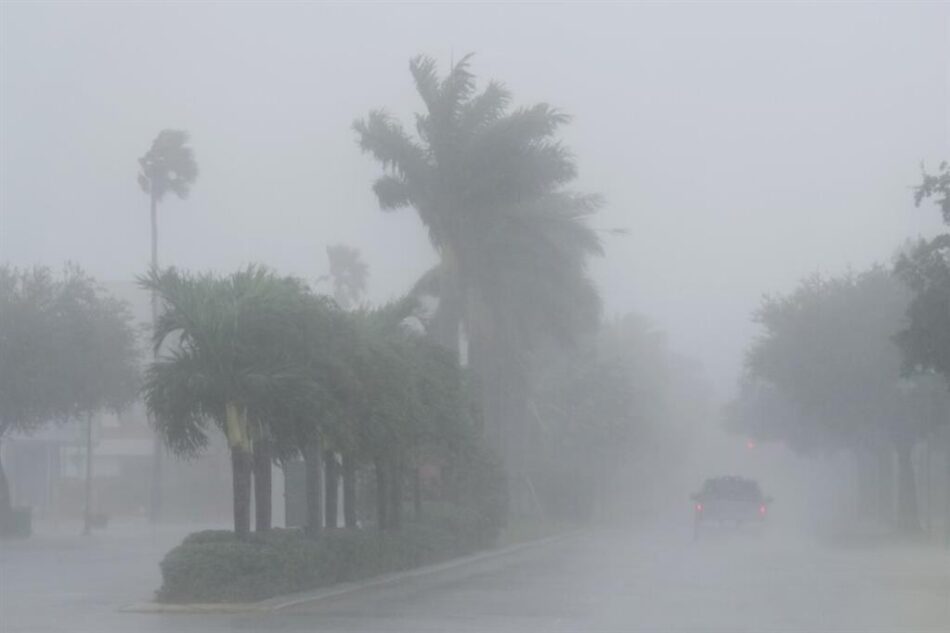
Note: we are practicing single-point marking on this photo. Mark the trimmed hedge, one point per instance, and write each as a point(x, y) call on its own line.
point(213, 566)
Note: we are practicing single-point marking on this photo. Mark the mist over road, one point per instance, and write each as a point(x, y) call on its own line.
point(657, 580)
point(622, 581)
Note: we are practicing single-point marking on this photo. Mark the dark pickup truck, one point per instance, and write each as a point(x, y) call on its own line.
point(730, 501)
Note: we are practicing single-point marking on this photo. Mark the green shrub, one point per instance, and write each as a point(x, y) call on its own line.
point(214, 566)
point(209, 536)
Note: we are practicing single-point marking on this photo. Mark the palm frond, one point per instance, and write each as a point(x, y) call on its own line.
point(426, 78)
point(180, 396)
point(484, 109)
point(457, 87)
point(392, 192)
point(386, 140)
point(169, 165)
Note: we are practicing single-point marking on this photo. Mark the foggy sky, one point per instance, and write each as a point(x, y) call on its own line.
point(743, 146)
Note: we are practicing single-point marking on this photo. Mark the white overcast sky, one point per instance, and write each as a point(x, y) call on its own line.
point(743, 145)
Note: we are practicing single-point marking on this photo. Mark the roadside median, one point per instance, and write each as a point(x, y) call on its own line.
point(339, 590)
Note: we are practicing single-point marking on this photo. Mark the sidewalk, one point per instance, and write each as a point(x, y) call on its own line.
point(59, 576)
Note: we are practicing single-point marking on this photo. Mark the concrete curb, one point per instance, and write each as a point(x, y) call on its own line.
point(338, 590)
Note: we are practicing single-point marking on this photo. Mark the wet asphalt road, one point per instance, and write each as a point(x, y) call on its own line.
point(594, 582)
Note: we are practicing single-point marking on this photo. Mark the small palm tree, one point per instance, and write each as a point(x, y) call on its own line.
point(229, 360)
point(168, 166)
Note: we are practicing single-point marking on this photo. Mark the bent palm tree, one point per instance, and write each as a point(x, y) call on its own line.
point(488, 184)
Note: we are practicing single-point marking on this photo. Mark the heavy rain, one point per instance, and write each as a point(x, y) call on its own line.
point(416, 316)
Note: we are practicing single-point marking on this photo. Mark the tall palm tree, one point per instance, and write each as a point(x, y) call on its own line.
point(168, 166)
point(488, 182)
point(229, 359)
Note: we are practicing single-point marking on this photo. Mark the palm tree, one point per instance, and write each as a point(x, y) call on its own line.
point(304, 425)
point(488, 184)
point(229, 360)
point(378, 414)
point(348, 274)
point(168, 166)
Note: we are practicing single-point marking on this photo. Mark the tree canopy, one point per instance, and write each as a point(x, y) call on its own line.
point(67, 350)
point(489, 182)
point(826, 374)
point(168, 166)
point(828, 353)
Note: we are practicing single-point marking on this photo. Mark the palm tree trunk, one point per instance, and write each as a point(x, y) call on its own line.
point(155, 505)
point(395, 489)
point(864, 466)
point(946, 506)
point(908, 520)
point(242, 464)
point(450, 478)
point(349, 490)
point(885, 507)
point(511, 396)
point(263, 487)
point(314, 489)
point(417, 493)
point(382, 494)
point(446, 327)
point(6, 503)
point(332, 480)
point(241, 481)
point(87, 513)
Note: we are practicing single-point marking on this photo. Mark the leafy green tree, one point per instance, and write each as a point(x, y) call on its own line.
point(488, 182)
point(827, 353)
point(925, 268)
point(229, 359)
point(67, 350)
point(936, 187)
point(168, 166)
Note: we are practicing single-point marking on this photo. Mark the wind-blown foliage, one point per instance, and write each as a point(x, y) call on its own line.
point(232, 357)
point(488, 184)
point(925, 342)
point(936, 187)
point(925, 268)
point(269, 364)
point(168, 166)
